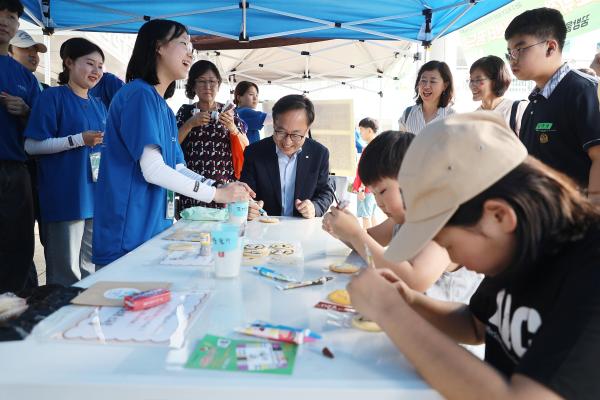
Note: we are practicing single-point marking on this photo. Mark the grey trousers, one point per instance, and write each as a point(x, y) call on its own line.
point(68, 251)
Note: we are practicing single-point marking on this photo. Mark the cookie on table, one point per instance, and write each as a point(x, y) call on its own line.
point(344, 268)
point(269, 220)
point(340, 296)
point(360, 322)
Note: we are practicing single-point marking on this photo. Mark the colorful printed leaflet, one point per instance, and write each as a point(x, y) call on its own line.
point(224, 354)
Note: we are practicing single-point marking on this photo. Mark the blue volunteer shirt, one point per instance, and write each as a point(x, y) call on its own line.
point(15, 80)
point(66, 189)
point(129, 210)
point(255, 121)
point(106, 89)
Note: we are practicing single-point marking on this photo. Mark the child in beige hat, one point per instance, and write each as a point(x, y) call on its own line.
point(469, 185)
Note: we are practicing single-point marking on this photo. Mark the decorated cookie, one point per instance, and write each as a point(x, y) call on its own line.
point(282, 252)
point(269, 220)
point(282, 246)
point(340, 296)
point(344, 268)
point(360, 322)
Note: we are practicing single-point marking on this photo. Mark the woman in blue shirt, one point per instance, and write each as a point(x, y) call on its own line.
point(246, 99)
point(65, 126)
point(142, 162)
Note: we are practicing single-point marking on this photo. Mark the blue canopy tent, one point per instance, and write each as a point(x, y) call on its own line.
point(247, 21)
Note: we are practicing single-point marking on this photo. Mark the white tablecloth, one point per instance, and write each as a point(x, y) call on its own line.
point(366, 365)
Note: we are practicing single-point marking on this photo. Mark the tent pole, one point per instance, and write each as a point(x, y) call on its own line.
point(47, 66)
point(243, 34)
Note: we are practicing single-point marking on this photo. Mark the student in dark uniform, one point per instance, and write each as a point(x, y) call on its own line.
point(561, 125)
point(535, 237)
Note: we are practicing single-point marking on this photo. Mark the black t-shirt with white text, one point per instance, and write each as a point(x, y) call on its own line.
point(549, 328)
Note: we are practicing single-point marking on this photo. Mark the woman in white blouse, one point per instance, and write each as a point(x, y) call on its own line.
point(489, 79)
point(434, 91)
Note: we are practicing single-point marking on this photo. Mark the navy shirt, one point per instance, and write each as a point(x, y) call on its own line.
point(129, 210)
point(254, 120)
point(15, 80)
point(66, 189)
point(559, 130)
point(106, 89)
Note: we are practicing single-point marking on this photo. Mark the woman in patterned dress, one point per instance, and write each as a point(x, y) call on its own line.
point(204, 140)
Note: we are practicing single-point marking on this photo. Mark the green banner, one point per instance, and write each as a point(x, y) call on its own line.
point(486, 36)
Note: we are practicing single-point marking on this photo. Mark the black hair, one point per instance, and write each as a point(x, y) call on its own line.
point(369, 123)
point(543, 23)
point(12, 6)
point(444, 70)
point(241, 89)
point(143, 61)
point(73, 49)
point(199, 68)
point(294, 102)
point(496, 70)
point(383, 157)
point(551, 212)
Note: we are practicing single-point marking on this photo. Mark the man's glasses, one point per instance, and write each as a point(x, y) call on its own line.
point(281, 135)
point(207, 83)
point(476, 82)
point(514, 54)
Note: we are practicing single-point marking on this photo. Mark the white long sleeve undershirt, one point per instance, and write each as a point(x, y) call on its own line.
point(180, 180)
point(53, 145)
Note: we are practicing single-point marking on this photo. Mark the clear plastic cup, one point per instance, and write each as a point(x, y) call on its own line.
point(238, 212)
point(227, 250)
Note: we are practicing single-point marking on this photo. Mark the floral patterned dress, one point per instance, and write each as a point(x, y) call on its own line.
point(207, 151)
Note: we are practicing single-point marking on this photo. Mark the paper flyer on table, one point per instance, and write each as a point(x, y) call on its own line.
point(225, 354)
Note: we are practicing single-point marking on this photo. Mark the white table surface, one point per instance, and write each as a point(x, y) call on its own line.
point(365, 364)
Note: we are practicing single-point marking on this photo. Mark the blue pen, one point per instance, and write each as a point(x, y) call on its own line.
point(269, 273)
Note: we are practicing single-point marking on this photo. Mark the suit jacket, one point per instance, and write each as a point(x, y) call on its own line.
point(261, 173)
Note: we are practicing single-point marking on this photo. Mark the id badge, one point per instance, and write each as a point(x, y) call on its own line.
point(95, 165)
point(170, 211)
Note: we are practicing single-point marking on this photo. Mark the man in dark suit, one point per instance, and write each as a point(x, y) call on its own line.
point(289, 171)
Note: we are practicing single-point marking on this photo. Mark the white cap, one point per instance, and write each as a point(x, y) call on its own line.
point(447, 164)
point(23, 40)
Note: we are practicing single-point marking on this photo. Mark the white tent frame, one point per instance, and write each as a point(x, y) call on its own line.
point(48, 26)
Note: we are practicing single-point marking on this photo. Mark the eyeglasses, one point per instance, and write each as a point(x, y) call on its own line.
point(476, 82)
point(514, 54)
point(281, 135)
point(207, 83)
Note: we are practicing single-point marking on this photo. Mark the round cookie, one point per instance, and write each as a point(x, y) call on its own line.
point(269, 220)
point(282, 246)
point(359, 322)
point(340, 296)
point(256, 246)
point(282, 252)
point(344, 268)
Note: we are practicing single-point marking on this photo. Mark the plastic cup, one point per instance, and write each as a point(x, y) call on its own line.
point(227, 251)
point(238, 212)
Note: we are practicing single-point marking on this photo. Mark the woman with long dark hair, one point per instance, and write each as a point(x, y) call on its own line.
point(143, 164)
point(65, 128)
point(246, 100)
